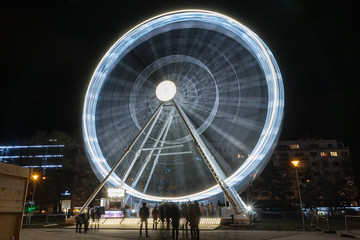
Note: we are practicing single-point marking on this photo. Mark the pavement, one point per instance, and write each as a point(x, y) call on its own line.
point(122, 234)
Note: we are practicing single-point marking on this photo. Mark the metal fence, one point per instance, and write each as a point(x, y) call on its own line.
point(44, 219)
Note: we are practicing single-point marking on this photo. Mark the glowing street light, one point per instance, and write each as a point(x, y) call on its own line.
point(296, 163)
point(34, 177)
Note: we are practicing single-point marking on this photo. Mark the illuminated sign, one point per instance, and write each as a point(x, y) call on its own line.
point(66, 193)
point(116, 192)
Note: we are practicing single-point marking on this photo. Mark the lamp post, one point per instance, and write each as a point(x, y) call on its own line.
point(34, 177)
point(295, 163)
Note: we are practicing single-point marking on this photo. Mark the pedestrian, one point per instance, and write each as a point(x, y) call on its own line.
point(184, 214)
point(168, 214)
point(162, 213)
point(211, 207)
point(80, 219)
point(97, 218)
point(155, 214)
point(207, 208)
point(202, 209)
point(194, 219)
point(86, 220)
point(175, 220)
point(144, 214)
point(218, 208)
point(92, 216)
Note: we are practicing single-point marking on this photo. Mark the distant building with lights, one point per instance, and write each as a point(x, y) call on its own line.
point(325, 172)
point(44, 156)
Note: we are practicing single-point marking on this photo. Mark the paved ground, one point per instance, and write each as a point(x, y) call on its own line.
point(121, 234)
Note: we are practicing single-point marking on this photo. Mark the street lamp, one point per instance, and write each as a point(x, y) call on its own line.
point(296, 163)
point(34, 177)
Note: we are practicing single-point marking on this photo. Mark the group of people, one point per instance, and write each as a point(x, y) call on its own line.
point(208, 210)
point(84, 218)
point(170, 213)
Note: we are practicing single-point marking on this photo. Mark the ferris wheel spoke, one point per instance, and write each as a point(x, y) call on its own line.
point(158, 153)
point(165, 126)
point(138, 152)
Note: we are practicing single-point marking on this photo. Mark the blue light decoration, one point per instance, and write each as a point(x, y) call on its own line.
point(228, 82)
point(66, 193)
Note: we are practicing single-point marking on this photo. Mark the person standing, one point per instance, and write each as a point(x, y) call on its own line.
point(92, 216)
point(168, 214)
point(80, 219)
point(155, 214)
point(184, 214)
point(144, 214)
point(97, 218)
point(175, 220)
point(162, 214)
point(218, 208)
point(202, 210)
point(211, 207)
point(194, 219)
point(86, 221)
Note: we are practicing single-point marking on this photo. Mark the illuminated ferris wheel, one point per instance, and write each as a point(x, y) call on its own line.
point(183, 106)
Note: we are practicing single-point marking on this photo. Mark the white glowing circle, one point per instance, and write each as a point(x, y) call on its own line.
point(165, 91)
point(262, 151)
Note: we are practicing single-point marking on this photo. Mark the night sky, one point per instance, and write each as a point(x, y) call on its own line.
point(50, 49)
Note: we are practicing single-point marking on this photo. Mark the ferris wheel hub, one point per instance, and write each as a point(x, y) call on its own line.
point(166, 91)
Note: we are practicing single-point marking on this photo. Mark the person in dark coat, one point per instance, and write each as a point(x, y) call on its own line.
point(162, 214)
point(218, 208)
point(144, 214)
point(168, 214)
point(80, 219)
point(92, 216)
point(155, 214)
point(86, 221)
point(194, 219)
point(184, 214)
point(175, 220)
point(97, 218)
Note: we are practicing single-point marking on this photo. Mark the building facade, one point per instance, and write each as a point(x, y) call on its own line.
point(325, 174)
point(40, 157)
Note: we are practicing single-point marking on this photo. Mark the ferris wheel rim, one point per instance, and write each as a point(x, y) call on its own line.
point(269, 134)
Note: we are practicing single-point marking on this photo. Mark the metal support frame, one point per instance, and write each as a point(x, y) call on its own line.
point(165, 128)
point(157, 148)
point(214, 168)
point(159, 152)
point(138, 152)
point(120, 160)
point(168, 124)
point(148, 157)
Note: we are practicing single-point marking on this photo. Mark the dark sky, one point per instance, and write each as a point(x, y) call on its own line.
point(49, 50)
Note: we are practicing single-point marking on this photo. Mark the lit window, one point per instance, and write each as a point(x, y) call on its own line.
point(323, 154)
point(294, 146)
point(333, 154)
point(240, 156)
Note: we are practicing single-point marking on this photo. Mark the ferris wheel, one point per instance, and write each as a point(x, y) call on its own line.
point(183, 106)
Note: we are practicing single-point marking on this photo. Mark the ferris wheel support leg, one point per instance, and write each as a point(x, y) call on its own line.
point(158, 154)
point(137, 154)
point(240, 211)
point(148, 157)
point(96, 191)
